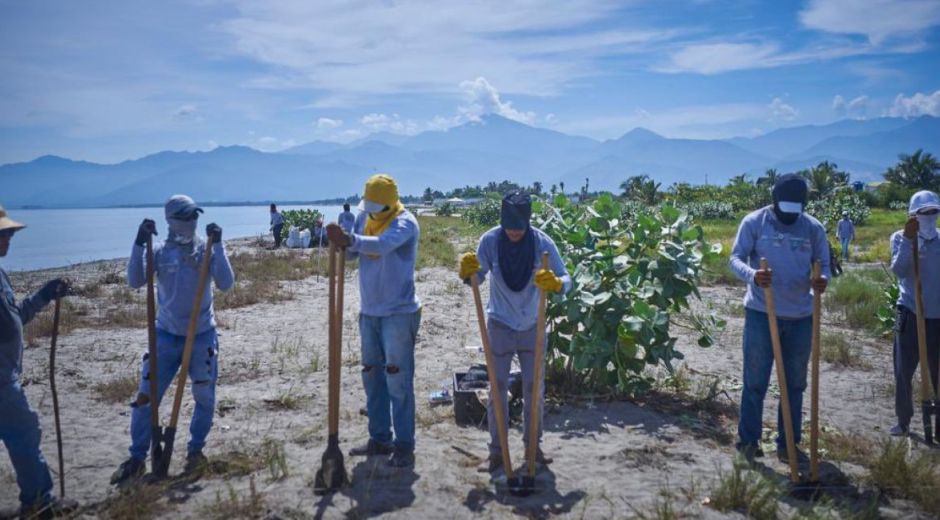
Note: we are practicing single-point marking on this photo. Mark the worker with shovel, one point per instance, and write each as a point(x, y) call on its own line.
point(919, 234)
point(513, 251)
point(790, 241)
point(177, 262)
point(385, 239)
point(19, 424)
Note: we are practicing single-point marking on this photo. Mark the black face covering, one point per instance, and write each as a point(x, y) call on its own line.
point(789, 188)
point(516, 259)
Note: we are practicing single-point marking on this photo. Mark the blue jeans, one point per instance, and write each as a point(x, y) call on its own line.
point(203, 372)
point(388, 372)
point(845, 248)
point(506, 343)
point(907, 358)
point(20, 432)
point(796, 345)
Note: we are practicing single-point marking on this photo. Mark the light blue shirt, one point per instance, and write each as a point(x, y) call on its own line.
point(177, 278)
point(902, 264)
point(276, 218)
point(790, 251)
point(12, 318)
point(846, 230)
point(346, 221)
point(517, 310)
point(387, 266)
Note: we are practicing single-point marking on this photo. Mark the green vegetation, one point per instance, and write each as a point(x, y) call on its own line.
point(258, 276)
point(915, 476)
point(301, 218)
point(747, 492)
point(858, 296)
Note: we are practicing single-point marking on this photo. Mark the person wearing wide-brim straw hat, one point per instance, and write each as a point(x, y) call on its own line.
point(19, 427)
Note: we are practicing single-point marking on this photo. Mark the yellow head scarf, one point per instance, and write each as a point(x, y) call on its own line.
point(381, 189)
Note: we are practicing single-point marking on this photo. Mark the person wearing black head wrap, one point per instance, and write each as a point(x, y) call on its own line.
point(789, 196)
point(516, 254)
point(512, 251)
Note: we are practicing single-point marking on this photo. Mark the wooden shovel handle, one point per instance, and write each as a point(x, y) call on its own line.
point(781, 376)
point(534, 407)
point(495, 395)
point(926, 384)
point(337, 283)
point(331, 347)
point(814, 390)
point(152, 337)
point(191, 331)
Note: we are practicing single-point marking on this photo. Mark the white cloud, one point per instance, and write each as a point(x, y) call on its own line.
point(325, 123)
point(878, 20)
point(272, 144)
point(715, 58)
point(483, 99)
point(856, 108)
point(393, 123)
point(916, 105)
point(780, 111)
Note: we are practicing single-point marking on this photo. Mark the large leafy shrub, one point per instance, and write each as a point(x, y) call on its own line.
point(631, 274)
point(829, 210)
point(709, 210)
point(302, 218)
point(483, 214)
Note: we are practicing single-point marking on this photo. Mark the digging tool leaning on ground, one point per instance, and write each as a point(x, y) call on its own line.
point(511, 252)
point(791, 241)
point(917, 343)
point(177, 262)
point(19, 426)
point(385, 240)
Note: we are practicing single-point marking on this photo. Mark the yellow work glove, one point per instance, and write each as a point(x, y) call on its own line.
point(469, 265)
point(546, 280)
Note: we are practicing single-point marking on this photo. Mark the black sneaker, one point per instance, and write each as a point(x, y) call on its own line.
point(371, 448)
point(495, 463)
point(750, 451)
point(898, 431)
point(58, 507)
point(402, 458)
point(195, 463)
point(783, 457)
point(129, 469)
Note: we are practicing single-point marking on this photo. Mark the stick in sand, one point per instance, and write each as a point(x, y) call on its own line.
point(55, 395)
point(781, 376)
point(495, 396)
point(528, 482)
point(814, 391)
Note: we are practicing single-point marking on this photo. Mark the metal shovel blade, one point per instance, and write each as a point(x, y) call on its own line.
point(162, 466)
point(156, 448)
point(332, 473)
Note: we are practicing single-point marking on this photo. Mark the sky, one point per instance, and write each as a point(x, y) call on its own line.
point(107, 81)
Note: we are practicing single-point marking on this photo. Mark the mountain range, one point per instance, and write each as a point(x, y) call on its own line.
point(491, 149)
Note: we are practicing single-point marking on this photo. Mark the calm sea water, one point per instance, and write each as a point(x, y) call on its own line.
point(58, 237)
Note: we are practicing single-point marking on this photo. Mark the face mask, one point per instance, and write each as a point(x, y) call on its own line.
point(928, 226)
point(182, 231)
point(784, 217)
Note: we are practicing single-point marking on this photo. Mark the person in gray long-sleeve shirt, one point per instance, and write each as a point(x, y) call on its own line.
point(19, 424)
point(921, 226)
point(845, 232)
point(791, 241)
point(177, 263)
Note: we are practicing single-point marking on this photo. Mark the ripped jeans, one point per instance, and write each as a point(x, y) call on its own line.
point(203, 372)
point(388, 372)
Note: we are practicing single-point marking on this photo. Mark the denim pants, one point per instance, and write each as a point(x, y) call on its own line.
point(845, 248)
point(907, 358)
point(203, 372)
point(277, 234)
point(506, 343)
point(796, 345)
point(20, 432)
point(388, 373)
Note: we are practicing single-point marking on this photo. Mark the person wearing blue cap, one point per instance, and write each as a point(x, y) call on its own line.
point(512, 251)
point(922, 227)
point(19, 424)
point(177, 262)
point(791, 241)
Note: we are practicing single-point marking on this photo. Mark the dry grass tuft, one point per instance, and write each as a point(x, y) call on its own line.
point(915, 476)
point(139, 502)
point(747, 492)
point(234, 505)
point(837, 350)
point(120, 390)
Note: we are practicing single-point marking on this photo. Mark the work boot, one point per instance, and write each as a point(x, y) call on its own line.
point(495, 463)
point(371, 448)
point(195, 463)
point(58, 507)
point(898, 431)
point(750, 452)
point(129, 469)
point(784, 457)
point(402, 458)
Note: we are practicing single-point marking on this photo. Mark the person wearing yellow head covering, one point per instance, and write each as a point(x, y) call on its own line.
point(385, 239)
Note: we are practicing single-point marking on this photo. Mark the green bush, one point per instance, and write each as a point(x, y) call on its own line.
point(828, 210)
point(484, 214)
point(630, 276)
point(302, 218)
point(445, 210)
point(711, 210)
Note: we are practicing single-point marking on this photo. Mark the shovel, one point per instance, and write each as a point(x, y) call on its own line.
point(814, 389)
point(55, 395)
point(930, 407)
point(512, 481)
point(156, 448)
point(781, 378)
point(161, 469)
point(332, 473)
point(528, 481)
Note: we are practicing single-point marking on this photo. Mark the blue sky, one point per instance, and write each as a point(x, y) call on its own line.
point(109, 81)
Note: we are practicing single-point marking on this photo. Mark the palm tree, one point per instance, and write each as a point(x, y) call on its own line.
point(769, 178)
point(919, 171)
point(537, 188)
point(562, 186)
point(824, 178)
point(641, 188)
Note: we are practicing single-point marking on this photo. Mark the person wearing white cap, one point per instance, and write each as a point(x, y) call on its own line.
point(177, 262)
point(845, 232)
point(19, 424)
point(921, 226)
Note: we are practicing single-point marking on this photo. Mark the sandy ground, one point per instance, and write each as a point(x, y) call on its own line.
point(612, 459)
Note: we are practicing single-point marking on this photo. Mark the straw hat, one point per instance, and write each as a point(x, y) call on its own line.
point(8, 223)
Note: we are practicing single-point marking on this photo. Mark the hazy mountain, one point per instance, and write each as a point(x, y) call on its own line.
point(493, 148)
